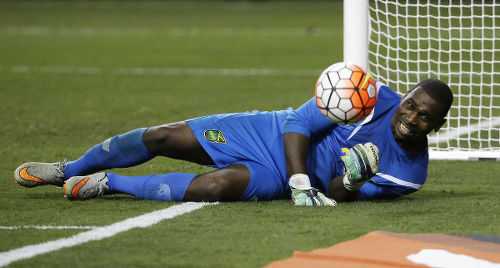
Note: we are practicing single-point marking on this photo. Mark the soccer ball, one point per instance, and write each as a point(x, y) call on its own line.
point(345, 93)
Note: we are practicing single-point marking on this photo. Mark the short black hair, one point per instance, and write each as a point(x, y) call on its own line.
point(439, 91)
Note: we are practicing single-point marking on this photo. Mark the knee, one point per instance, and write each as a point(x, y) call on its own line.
point(157, 138)
point(219, 190)
point(215, 189)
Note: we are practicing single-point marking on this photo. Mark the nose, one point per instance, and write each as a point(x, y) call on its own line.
point(411, 117)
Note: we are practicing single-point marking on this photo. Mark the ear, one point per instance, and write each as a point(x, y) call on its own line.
point(438, 126)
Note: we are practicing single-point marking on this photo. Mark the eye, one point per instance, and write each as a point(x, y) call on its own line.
point(410, 106)
point(426, 117)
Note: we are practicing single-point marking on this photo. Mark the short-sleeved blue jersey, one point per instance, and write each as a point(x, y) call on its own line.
point(399, 172)
point(257, 137)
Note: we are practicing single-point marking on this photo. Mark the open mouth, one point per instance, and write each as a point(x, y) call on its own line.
point(404, 129)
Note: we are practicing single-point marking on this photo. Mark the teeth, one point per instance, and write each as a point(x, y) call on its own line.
point(404, 128)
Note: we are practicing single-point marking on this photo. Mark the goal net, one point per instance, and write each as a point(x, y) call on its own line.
point(457, 41)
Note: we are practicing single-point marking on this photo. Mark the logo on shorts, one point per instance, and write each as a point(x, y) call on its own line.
point(214, 135)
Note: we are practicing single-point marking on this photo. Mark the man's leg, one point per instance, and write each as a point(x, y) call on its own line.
point(124, 150)
point(174, 140)
point(225, 184)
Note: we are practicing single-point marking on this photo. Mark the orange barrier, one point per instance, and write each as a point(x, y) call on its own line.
point(385, 249)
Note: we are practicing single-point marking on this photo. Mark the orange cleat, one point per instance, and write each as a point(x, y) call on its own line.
point(86, 187)
point(35, 174)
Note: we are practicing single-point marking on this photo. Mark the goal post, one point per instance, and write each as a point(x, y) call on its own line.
point(457, 41)
point(356, 32)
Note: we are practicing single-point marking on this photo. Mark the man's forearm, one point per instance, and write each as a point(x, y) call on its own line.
point(337, 191)
point(296, 152)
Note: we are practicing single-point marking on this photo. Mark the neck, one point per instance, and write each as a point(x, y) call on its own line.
point(413, 145)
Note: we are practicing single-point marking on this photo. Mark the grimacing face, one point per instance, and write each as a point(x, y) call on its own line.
point(417, 115)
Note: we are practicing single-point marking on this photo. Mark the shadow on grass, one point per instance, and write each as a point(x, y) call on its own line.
point(430, 195)
point(45, 195)
point(433, 194)
point(56, 195)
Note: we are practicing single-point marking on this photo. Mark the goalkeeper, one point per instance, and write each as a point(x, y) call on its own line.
point(267, 155)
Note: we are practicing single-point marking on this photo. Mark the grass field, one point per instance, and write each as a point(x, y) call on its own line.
point(74, 73)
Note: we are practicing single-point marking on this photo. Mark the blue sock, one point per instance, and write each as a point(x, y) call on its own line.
point(125, 150)
point(164, 187)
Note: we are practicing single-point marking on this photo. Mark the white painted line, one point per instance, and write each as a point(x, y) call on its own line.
point(455, 133)
point(156, 71)
point(444, 136)
point(48, 227)
point(464, 155)
point(99, 233)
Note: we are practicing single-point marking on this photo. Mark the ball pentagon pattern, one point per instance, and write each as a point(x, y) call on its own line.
point(345, 93)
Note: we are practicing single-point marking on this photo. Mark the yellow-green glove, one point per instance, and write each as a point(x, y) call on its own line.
point(361, 164)
point(305, 195)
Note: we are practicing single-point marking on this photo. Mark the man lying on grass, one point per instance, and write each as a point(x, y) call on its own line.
point(267, 155)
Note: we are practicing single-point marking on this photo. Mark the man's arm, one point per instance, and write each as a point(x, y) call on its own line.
point(337, 191)
point(297, 128)
point(361, 163)
point(296, 151)
point(369, 191)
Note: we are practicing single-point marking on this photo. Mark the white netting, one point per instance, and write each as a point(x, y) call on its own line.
point(456, 41)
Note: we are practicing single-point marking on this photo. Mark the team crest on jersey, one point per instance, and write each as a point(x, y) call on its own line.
point(214, 135)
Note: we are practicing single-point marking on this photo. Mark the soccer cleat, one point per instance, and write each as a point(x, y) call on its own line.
point(34, 174)
point(85, 187)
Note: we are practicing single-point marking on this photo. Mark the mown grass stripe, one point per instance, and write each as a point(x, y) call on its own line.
point(156, 71)
point(172, 31)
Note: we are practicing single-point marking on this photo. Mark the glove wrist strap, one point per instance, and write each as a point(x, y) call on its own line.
point(300, 181)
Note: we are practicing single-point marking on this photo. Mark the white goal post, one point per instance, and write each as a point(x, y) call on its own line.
point(458, 41)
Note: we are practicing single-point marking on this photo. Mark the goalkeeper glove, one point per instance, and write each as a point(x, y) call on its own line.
point(361, 164)
point(305, 195)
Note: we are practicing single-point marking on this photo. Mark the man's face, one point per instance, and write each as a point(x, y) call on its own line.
point(417, 115)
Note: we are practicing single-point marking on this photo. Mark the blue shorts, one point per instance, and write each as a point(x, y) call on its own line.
point(253, 139)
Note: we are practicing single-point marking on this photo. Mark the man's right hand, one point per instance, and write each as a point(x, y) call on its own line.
point(361, 164)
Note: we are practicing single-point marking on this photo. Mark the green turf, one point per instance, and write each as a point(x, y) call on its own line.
point(49, 116)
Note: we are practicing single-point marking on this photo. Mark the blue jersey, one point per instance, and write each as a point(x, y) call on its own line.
point(255, 139)
point(399, 172)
